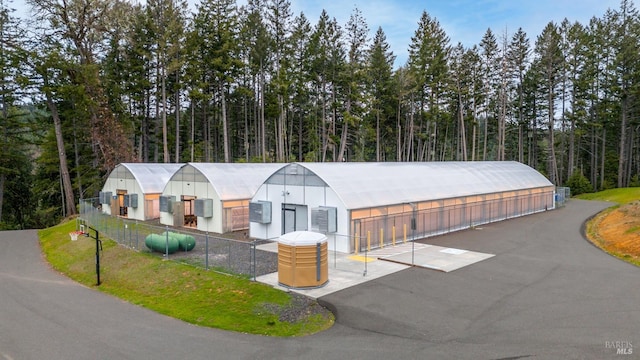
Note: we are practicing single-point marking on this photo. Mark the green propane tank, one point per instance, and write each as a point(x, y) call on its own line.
point(185, 242)
point(161, 243)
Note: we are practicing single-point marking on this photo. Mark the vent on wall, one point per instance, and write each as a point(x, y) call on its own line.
point(260, 212)
point(131, 200)
point(203, 208)
point(166, 203)
point(324, 219)
point(105, 197)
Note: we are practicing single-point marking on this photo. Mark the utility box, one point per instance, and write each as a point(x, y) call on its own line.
point(260, 212)
point(105, 197)
point(324, 219)
point(166, 203)
point(303, 260)
point(203, 208)
point(131, 200)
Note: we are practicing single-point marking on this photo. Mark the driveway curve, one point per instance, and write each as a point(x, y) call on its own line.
point(547, 294)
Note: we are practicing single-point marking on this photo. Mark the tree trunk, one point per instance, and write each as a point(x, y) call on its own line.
point(3, 178)
point(225, 132)
point(177, 122)
point(378, 156)
point(165, 141)
point(553, 167)
point(343, 141)
point(622, 158)
point(263, 136)
point(68, 197)
point(409, 142)
point(323, 122)
point(485, 135)
point(399, 129)
point(604, 152)
point(193, 131)
point(594, 158)
point(463, 134)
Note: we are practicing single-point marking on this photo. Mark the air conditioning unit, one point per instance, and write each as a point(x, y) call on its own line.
point(105, 197)
point(324, 219)
point(166, 203)
point(131, 200)
point(260, 212)
point(203, 208)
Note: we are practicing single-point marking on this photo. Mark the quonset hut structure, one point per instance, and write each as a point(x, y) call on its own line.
point(213, 197)
point(132, 190)
point(367, 205)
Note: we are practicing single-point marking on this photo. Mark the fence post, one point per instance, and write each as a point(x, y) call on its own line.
point(255, 259)
point(357, 244)
point(206, 251)
point(166, 243)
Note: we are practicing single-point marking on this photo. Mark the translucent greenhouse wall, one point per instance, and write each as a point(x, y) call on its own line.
point(376, 203)
point(381, 226)
point(235, 215)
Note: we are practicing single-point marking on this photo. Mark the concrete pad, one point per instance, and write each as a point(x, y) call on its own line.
point(346, 270)
point(437, 257)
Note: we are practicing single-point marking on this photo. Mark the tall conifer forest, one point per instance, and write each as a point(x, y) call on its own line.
point(88, 84)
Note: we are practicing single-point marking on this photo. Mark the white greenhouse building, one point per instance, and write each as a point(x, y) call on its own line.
point(368, 205)
point(213, 197)
point(132, 190)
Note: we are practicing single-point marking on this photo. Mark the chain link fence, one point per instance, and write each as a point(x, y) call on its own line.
point(222, 254)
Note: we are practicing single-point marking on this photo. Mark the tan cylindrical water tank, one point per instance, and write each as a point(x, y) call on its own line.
point(303, 260)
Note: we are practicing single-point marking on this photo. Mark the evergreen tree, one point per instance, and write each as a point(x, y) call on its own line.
point(380, 83)
point(551, 63)
point(518, 56)
point(279, 26)
point(301, 90)
point(354, 79)
point(428, 60)
point(13, 129)
point(490, 71)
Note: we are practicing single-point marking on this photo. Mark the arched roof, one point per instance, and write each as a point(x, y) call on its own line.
point(151, 177)
point(232, 181)
point(371, 184)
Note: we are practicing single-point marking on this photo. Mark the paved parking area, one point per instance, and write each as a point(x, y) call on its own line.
point(546, 294)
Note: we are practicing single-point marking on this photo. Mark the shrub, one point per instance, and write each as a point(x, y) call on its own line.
point(579, 184)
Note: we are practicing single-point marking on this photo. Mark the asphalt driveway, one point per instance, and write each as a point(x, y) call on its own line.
point(547, 294)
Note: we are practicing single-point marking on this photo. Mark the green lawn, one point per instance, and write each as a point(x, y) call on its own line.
point(195, 295)
point(619, 196)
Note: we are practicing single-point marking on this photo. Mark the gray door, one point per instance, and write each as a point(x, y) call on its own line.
point(289, 219)
point(294, 217)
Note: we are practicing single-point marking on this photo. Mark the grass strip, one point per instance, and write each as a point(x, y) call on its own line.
point(620, 196)
point(195, 295)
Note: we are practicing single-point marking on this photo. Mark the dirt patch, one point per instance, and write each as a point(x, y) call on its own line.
point(300, 308)
point(618, 231)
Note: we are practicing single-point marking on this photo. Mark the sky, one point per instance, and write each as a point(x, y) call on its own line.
point(464, 21)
